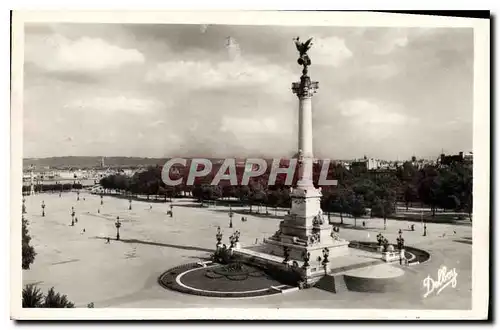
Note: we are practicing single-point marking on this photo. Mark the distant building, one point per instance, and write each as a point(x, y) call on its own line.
point(446, 160)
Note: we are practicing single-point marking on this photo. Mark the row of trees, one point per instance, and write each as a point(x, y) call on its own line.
point(53, 187)
point(447, 188)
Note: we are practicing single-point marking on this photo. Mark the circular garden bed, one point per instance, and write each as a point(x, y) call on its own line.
point(412, 254)
point(233, 280)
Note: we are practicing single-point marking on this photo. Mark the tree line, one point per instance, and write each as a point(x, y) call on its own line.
point(356, 194)
point(52, 187)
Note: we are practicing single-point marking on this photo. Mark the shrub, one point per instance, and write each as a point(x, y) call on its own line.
point(222, 256)
point(33, 298)
point(28, 252)
point(56, 300)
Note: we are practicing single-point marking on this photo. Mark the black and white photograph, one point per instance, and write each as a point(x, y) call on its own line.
point(272, 165)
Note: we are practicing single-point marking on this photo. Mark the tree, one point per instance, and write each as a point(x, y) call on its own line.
point(429, 187)
point(28, 251)
point(409, 194)
point(357, 207)
point(56, 300)
point(32, 297)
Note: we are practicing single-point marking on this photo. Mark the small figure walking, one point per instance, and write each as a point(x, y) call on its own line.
point(150, 207)
point(400, 232)
point(425, 230)
point(98, 210)
point(107, 240)
point(364, 224)
point(256, 240)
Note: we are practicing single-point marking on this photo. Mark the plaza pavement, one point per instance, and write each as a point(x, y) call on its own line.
point(124, 273)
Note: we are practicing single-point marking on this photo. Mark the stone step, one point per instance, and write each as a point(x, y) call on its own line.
point(333, 284)
point(326, 283)
point(340, 285)
point(338, 270)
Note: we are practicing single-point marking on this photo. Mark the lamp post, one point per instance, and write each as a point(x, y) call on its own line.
point(286, 254)
point(306, 256)
point(218, 237)
point(43, 208)
point(326, 253)
point(118, 224)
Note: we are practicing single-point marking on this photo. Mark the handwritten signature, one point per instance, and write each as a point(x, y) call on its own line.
point(445, 278)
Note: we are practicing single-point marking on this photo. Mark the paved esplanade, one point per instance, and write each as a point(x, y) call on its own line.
point(125, 274)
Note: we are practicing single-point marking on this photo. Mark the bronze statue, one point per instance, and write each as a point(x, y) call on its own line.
point(303, 47)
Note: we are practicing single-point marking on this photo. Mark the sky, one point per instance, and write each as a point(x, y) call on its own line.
point(225, 91)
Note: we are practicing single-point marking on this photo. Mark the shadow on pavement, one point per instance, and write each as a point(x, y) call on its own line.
point(182, 247)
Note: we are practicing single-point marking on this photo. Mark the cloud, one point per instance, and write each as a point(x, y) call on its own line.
point(116, 104)
point(381, 71)
point(393, 40)
point(60, 54)
point(329, 51)
point(249, 125)
point(233, 48)
point(206, 74)
point(366, 112)
point(204, 28)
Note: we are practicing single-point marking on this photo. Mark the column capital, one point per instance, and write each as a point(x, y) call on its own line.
point(305, 87)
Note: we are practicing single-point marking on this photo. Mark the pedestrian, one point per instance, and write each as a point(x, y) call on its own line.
point(107, 240)
point(364, 224)
point(150, 207)
point(256, 240)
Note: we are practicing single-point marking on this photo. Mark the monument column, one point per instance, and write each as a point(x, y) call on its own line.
point(304, 90)
point(304, 234)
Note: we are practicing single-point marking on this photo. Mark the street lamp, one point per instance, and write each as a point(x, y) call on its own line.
point(286, 254)
point(306, 256)
point(43, 208)
point(218, 237)
point(326, 253)
point(118, 224)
